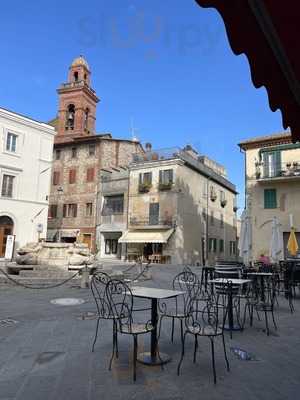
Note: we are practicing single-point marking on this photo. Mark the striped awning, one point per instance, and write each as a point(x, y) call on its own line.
point(146, 236)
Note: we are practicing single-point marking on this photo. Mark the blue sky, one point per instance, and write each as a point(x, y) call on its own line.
point(166, 64)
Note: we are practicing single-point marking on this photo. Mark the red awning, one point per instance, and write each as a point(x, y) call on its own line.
point(267, 31)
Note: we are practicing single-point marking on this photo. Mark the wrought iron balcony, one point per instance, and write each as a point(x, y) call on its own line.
point(167, 222)
point(278, 171)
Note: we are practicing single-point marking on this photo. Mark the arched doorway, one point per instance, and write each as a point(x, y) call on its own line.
point(6, 228)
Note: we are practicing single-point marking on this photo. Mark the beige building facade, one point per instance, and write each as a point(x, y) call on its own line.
point(179, 208)
point(272, 187)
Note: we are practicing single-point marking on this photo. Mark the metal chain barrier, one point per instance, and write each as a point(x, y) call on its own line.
point(37, 287)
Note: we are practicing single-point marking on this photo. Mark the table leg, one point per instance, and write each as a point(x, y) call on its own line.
point(231, 326)
point(262, 288)
point(153, 357)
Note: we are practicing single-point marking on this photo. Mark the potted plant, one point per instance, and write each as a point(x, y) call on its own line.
point(144, 187)
point(165, 186)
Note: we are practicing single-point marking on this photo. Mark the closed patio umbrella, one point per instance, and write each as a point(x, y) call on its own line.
point(276, 245)
point(245, 240)
point(292, 245)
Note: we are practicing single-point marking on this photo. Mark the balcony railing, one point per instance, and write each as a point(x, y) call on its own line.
point(113, 219)
point(277, 170)
point(75, 85)
point(152, 221)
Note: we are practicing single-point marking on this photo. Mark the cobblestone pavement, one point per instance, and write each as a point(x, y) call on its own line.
point(45, 353)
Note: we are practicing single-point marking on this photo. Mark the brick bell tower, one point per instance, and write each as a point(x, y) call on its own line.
point(77, 103)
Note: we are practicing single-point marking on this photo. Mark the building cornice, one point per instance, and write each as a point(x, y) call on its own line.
point(22, 119)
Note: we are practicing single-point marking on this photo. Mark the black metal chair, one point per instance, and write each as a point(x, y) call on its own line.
point(120, 299)
point(175, 308)
point(262, 299)
point(104, 311)
point(204, 323)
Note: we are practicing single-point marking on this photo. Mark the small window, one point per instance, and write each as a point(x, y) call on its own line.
point(270, 198)
point(145, 178)
point(113, 205)
point(74, 152)
point(52, 213)
point(76, 76)
point(92, 150)
point(7, 185)
point(90, 174)
point(72, 176)
point(166, 176)
point(70, 210)
point(89, 209)
point(11, 142)
point(111, 246)
point(55, 179)
point(57, 154)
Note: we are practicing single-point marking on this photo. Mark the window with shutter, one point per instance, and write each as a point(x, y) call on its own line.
point(90, 174)
point(72, 175)
point(153, 213)
point(270, 198)
point(55, 178)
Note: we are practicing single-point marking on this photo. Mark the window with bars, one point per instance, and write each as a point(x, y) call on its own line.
point(52, 212)
point(7, 185)
point(89, 209)
point(55, 179)
point(70, 210)
point(90, 174)
point(72, 176)
point(113, 205)
point(11, 142)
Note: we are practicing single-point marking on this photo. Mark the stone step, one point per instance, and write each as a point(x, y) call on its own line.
point(46, 274)
point(37, 281)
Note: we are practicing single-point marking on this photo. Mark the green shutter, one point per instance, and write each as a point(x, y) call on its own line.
point(270, 198)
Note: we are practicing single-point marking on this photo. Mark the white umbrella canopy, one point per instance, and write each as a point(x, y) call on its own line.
point(276, 245)
point(245, 240)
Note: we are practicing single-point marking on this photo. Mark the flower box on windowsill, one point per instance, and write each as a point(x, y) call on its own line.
point(165, 186)
point(144, 187)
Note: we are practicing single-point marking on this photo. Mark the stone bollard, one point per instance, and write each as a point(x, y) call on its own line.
point(85, 277)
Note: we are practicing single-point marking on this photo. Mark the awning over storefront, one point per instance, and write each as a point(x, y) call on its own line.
point(71, 233)
point(267, 31)
point(158, 236)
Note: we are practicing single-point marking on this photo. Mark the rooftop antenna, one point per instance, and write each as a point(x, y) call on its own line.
point(133, 131)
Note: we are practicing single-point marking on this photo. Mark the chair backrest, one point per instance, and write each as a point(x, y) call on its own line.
point(204, 317)
point(187, 282)
point(98, 285)
point(120, 299)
